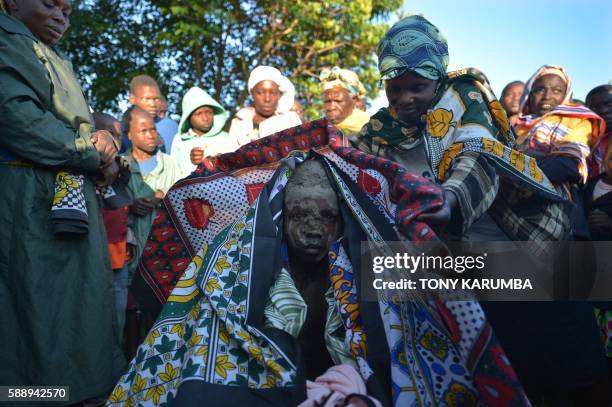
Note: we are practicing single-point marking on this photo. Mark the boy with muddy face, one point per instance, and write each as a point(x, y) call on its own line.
point(311, 223)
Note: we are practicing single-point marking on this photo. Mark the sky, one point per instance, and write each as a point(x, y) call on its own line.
point(509, 40)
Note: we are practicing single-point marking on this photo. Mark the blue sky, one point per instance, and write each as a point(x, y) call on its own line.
point(510, 40)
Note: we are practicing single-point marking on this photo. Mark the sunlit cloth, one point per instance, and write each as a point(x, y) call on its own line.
point(211, 340)
point(286, 88)
point(343, 78)
point(569, 130)
point(414, 44)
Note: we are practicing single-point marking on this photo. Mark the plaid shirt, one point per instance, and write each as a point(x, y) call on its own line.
point(519, 212)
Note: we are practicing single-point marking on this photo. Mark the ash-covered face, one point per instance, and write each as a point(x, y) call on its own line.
point(311, 215)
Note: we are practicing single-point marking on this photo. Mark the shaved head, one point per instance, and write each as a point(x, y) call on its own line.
point(140, 81)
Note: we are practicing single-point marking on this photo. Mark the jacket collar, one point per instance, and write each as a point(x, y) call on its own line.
point(13, 26)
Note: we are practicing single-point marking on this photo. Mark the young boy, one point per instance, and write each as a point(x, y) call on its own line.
point(200, 131)
point(116, 223)
point(152, 175)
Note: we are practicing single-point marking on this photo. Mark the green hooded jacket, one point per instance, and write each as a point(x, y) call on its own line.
point(215, 141)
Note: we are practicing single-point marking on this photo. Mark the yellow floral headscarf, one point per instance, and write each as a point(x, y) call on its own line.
point(342, 78)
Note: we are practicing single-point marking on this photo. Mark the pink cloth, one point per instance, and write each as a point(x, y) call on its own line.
point(340, 380)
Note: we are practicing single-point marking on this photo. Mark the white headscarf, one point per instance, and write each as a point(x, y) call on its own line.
point(286, 88)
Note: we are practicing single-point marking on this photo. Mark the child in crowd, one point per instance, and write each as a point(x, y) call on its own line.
point(116, 224)
point(200, 131)
point(152, 175)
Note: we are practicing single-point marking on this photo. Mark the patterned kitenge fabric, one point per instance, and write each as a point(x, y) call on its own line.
point(569, 130)
point(466, 127)
point(414, 44)
point(68, 209)
point(466, 116)
point(220, 335)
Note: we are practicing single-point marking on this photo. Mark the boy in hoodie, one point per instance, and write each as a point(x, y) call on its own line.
point(200, 131)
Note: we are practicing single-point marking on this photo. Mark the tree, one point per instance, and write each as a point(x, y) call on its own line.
point(215, 44)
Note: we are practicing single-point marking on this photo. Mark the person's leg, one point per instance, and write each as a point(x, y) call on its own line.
point(121, 289)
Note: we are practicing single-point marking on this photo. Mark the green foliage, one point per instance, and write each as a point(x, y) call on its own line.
point(215, 44)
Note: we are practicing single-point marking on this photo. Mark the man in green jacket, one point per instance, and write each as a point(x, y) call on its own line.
point(56, 292)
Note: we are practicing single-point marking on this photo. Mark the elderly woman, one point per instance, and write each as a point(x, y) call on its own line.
point(342, 92)
point(56, 289)
point(560, 134)
point(273, 97)
point(449, 128)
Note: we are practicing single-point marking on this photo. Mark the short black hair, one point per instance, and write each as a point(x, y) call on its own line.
point(139, 81)
point(508, 86)
point(597, 89)
point(128, 115)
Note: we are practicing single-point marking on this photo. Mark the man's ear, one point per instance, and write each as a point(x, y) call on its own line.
point(132, 99)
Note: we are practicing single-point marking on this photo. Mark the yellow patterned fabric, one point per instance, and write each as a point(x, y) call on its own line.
point(354, 123)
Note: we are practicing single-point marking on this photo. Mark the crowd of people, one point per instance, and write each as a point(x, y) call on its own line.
point(246, 233)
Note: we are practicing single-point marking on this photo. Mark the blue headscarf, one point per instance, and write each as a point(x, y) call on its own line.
point(413, 44)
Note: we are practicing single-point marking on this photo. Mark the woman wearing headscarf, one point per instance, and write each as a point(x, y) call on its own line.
point(449, 127)
point(273, 97)
point(56, 284)
point(342, 91)
point(561, 135)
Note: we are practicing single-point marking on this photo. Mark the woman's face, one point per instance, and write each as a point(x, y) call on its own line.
point(266, 96)
point(548, 92)
point(409, 95)
point(48, 20)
